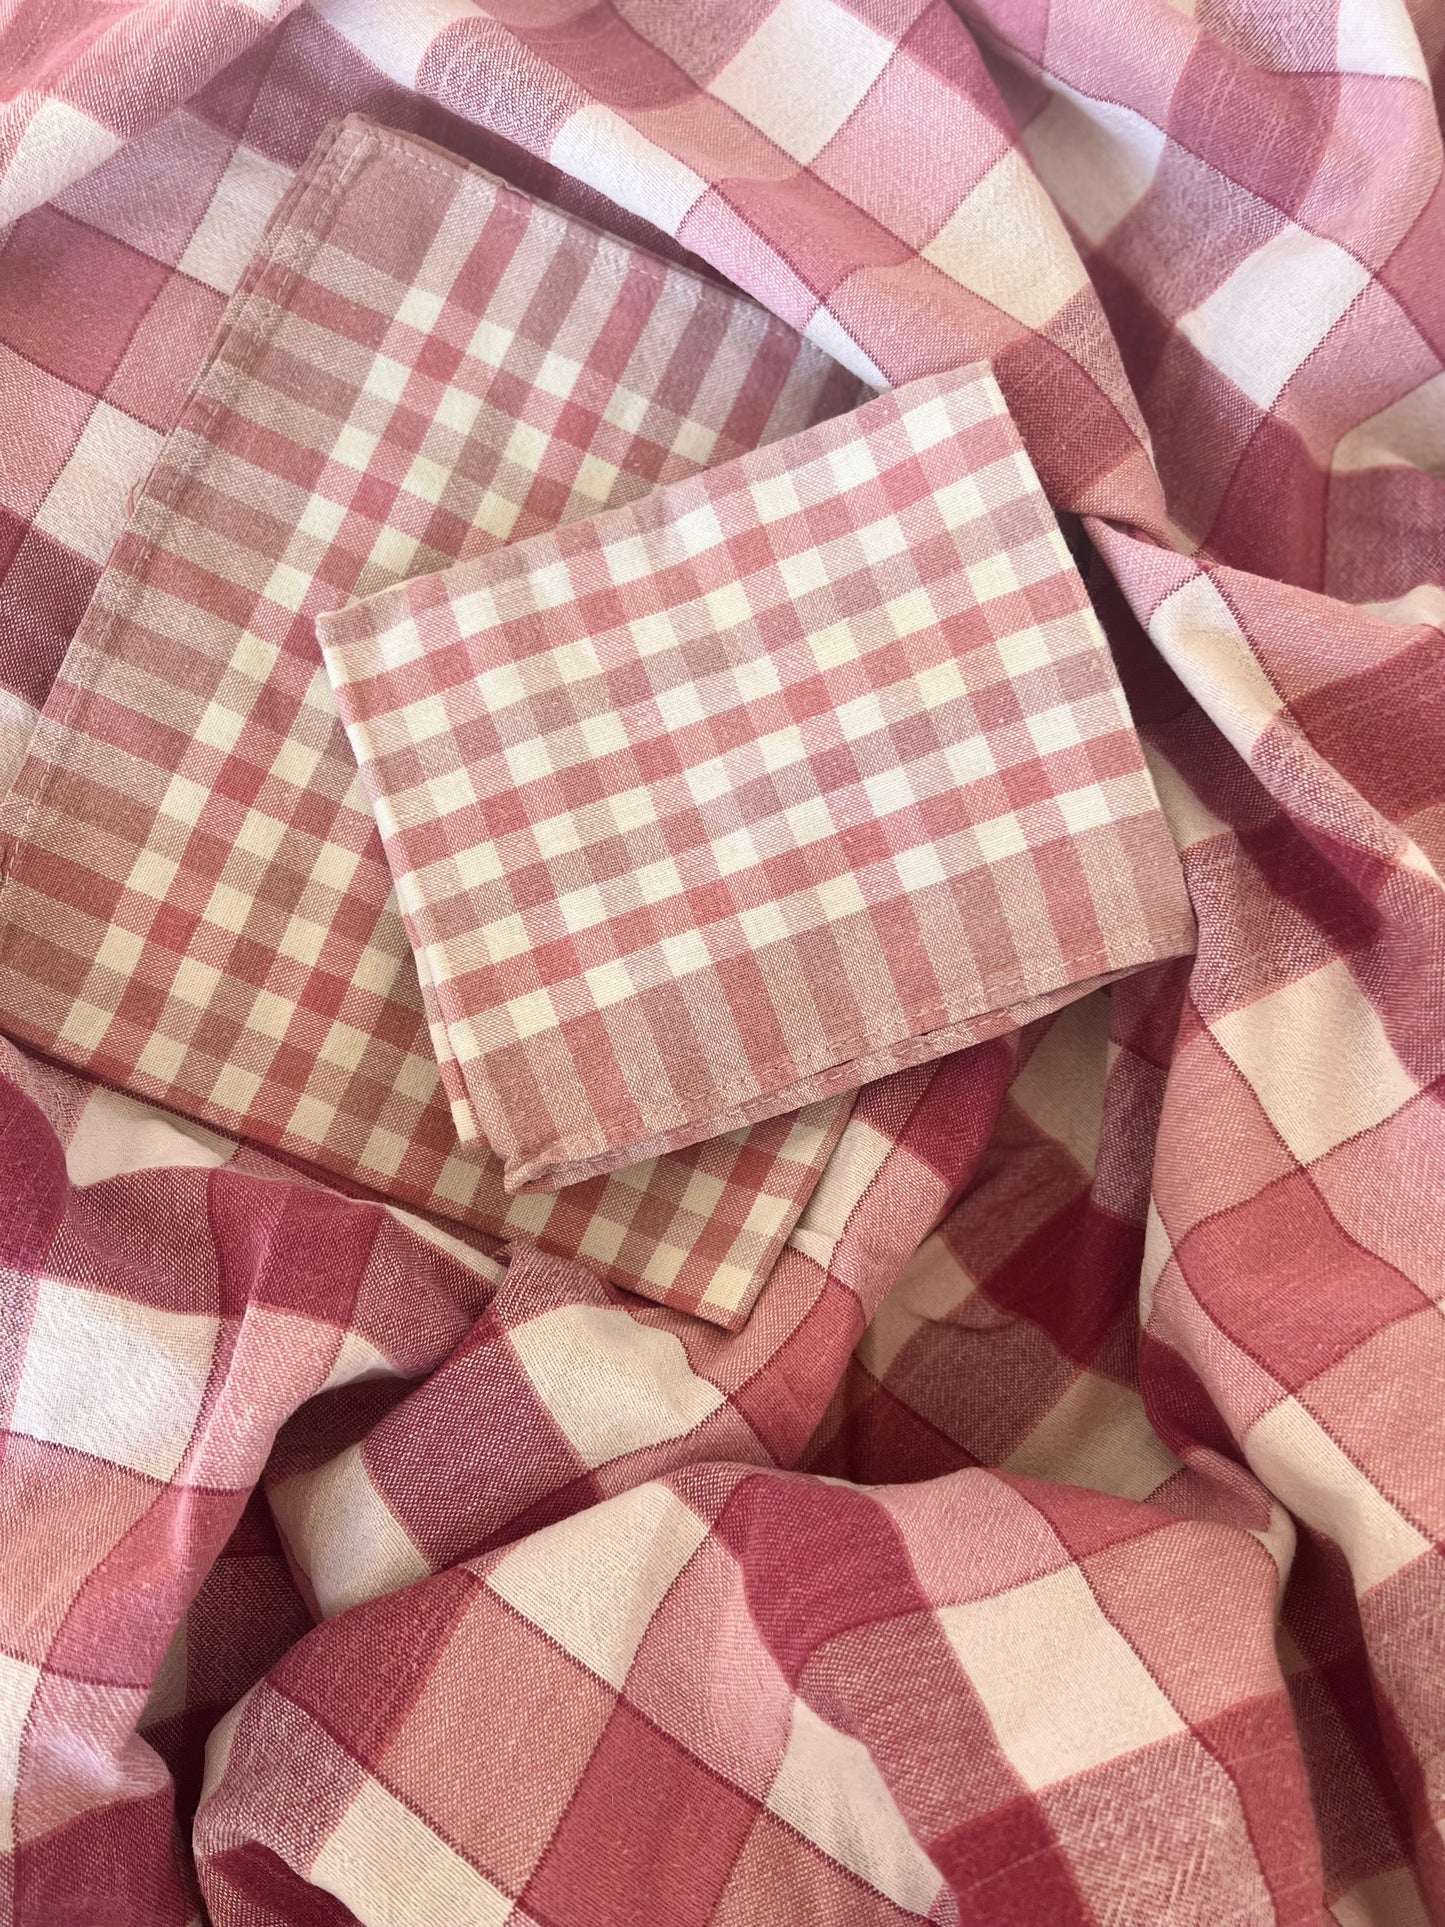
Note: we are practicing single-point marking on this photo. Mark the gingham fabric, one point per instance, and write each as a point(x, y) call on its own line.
point(196, 904)
point(802, 771)
point(1186, 1282)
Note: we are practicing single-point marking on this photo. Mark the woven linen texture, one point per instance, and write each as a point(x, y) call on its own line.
point(801, 771)
point(423, 363)
point(1176, 1337)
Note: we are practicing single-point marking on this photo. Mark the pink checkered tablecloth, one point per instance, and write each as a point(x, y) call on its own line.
point(788, 776)
point(1058, 1540)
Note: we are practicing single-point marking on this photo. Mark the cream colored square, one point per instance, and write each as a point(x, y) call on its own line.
point(287, 586)
point(919, 868)
point(882, 540)
point(219, 728)
point(152, 875)
point(614, 1385)
point(1097, 159)
point(710, 780)
point(863, 716)
point(728, 606)
point(809, 822)
point(1000, 837)
point(451, 792)
point(735, 850)
point(1318, 1059)
point(295, 763)
point(392, 551)
point(697, 531)
point(627, 560)
point(419, 309)
point(680, 707)
point(694, 443)
point(505, 938)
point(458, 410)
point(828, 1788)
point(686, 953)
point(1274, 310)
point(582, 909)
point(840, 897)
point(764, 925)
point(595, 479)
point(502, 687)
point(833, 646)
point(756, 678)
point(557, 836)
point(960, 502)
point(1303, 1467)
point(195, 982)
point(608, 983)
point(384, 1864)
point(531, 1014)
point(1085, 809)
point(774, 497)
point(270, 1015)
point(551, 585)
point(557, 375)
point(928, 423)
point(18, 1682)
point(656, 882)
point(607, 151)
point(803, 573)
point(86, 504)
point(496, 515)
point(574, 661)
point(527, 447)
point(992, 577)
point(386, 378)
point(120, 950)
point(110, 1377)
point(1054, 729)
point(312, 1119)
point(354, 447)
point(604, 735)
point(631, 809)
point(778, 82)
point(426, 479)
point(1037, 272)
point(230, 231)
point(303, 939)
point(593, 1582)
point(161, 1058)
point(941, 683)
point(346, 1538)
point(1062, 1687)
point(254, 658)
point(780, 749)
point(889, 790)
point(909, 613)
point(184, 800)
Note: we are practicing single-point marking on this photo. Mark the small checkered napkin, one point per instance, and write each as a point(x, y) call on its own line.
point(796, 772)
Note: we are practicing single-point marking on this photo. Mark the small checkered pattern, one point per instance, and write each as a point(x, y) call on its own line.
point(196, 904)
point(807, 769)
point(1183, 1279)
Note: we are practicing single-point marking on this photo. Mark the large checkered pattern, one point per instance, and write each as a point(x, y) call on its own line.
point(807, 769)
point(1224, 220)
point(196, 903)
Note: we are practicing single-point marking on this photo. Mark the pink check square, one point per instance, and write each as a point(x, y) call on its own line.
point(782, 778)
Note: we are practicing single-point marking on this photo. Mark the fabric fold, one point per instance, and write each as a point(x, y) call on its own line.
point(787, 776)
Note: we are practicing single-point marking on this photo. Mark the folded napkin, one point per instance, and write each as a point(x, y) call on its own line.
point(422, 364)
point(788, 775)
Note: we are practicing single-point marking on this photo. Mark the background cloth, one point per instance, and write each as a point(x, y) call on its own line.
point(1059, 1539)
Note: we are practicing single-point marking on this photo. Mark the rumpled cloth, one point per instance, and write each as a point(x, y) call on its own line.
point(1057, 1539)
